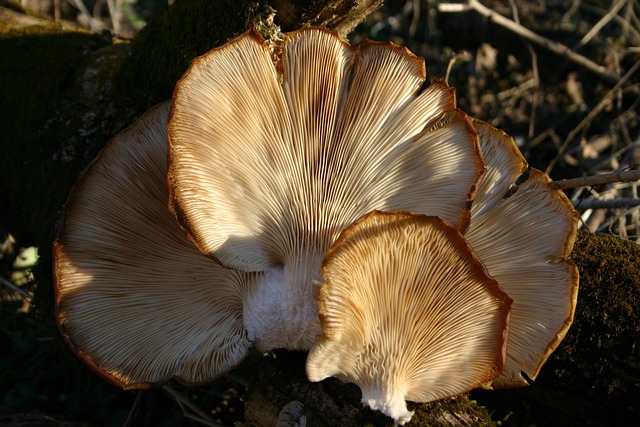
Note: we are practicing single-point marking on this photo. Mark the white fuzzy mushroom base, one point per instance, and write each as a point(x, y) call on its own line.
point(389, 401)
point(279, 313)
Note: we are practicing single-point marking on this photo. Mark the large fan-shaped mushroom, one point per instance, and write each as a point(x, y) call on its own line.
point(270, 162)
point(408, 312)
point(135, 298)
point(524, 235)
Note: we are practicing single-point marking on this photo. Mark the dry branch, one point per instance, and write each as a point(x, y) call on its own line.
point(621, 203)
point(609, 178)
point(555, 47)
point(601, 23)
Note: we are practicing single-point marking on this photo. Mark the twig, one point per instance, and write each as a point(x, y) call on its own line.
point(415, 19)
point(572, 11)
point(621, 203)
point(452, 62)
point(602, 162)
point(535, 96)
point(517, 90)
point(601, 23)
point(453, 7)
point(189, 409)
point(536, 75)
point(587, 181)
point(608, 223)
point(15, 288)
point(57, 14)
point(114, 12)
point(594, 112)
point(626, 23)
point(83, 10)
point(555, 47)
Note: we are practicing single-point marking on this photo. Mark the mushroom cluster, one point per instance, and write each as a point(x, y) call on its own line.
point(321, 198)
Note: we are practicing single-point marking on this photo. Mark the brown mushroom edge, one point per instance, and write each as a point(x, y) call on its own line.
point(571, 235)
point(516, 176)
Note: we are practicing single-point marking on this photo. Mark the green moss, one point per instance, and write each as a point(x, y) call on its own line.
point(261, 18)
point(601, 352)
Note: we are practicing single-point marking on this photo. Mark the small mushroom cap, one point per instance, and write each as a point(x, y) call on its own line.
point(524, 234)
point(408, 312)
point(269, 162)
point(135, 299)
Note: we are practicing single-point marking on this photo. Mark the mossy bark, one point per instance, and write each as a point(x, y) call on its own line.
point(593, 378)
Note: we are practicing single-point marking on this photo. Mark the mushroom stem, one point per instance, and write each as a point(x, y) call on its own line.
point(389, 400)
point(281, 310)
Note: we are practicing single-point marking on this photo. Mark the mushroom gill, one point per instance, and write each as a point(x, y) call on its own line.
point(279, 171)
point(523, 232)
point(269, 162)
point(408, 313)
point(135, 299)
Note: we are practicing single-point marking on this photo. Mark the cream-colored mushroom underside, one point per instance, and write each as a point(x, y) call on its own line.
point(269, 164)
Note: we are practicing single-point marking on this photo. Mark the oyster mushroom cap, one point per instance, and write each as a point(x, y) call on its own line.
point(524, 232)
point(408, 312)
point(135, 299)
point(269, 162)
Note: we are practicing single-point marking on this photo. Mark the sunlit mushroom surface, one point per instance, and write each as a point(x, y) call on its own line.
point(135, 298)
point(272, 154)
point(523, 231)
point(408, 313)
point(270, 161)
